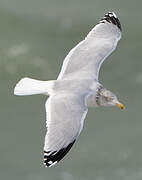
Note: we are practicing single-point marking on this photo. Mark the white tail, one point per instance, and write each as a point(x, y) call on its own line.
point(28, 86)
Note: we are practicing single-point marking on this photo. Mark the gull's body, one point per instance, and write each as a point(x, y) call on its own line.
point(75, 89)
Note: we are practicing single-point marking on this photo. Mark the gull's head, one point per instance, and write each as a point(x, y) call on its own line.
point(107, 98)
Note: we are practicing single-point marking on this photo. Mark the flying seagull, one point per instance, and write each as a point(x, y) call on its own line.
point(75, 89)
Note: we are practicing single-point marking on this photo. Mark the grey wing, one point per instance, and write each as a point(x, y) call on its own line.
point(65, 117)
point(84, 60)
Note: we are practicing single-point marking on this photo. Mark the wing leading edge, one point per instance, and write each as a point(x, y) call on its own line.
point(85, 59)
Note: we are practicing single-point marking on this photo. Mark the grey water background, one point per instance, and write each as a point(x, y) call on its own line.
point(35, 36)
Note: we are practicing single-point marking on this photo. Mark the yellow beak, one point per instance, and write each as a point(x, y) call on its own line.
point(120, 105)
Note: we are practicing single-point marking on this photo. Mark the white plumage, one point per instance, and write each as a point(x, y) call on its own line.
point(75, 89)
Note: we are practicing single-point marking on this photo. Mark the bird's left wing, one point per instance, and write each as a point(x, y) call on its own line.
point(65, 117)
point(85, 59)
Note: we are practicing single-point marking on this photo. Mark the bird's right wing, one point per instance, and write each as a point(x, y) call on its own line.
point(85, 59)
point(65, 117)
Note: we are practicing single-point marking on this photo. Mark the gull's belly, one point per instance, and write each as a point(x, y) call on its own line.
point(75, 86)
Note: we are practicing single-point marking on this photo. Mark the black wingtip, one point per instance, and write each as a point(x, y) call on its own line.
point(111, 18)
point(51, 158)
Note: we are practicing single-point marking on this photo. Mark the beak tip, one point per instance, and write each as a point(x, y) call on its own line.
point(120, 105)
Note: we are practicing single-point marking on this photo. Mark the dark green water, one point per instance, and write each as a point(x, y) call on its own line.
point(35, 36)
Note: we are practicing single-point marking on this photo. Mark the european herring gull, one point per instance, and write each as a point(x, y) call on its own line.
point(75, 89)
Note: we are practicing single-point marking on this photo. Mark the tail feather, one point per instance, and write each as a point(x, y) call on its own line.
point(28, 86)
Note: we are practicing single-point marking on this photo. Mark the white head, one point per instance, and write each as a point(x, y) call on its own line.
point(107, 98)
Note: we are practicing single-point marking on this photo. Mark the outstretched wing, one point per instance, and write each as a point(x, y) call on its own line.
point(65, 117)
point(84, 60)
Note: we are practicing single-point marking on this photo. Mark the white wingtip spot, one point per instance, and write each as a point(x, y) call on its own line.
point(45, 165)
point(52, 163)
point(114, 14)
point(47, 154)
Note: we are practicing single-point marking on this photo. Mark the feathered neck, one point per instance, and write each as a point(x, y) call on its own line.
point(99, 89)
